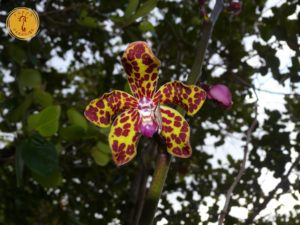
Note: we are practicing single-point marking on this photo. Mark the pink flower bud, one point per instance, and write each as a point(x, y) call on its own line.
point(221, 95)
point(234, 8)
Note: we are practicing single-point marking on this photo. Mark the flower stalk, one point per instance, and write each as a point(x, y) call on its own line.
point(163, 161)
point(155, 190)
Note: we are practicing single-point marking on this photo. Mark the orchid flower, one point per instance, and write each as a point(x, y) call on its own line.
point(142, 113)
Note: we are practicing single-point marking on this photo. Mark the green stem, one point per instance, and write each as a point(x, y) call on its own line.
point(153, 196)
point(207, 31)
point(164, 159)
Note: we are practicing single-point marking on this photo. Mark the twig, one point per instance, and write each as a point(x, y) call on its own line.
point(272, 193)
point(242, 169)
point(59, 23)
point(59, 11)
point(245, 83)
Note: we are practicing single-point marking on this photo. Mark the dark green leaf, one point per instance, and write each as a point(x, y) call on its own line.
point(16, 53)
point(54, 179)
point(132, 5)
point(42, 98)
point(88, 22)
point(71, 132)
point(30, 78)
point(146, 26)
point(39, 155)
point(145, 9)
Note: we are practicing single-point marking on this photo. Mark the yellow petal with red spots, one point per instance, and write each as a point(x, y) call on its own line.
point(123, 137)
point(102, 110)
point(141, 67)
point(189, 97)
point(176, 132)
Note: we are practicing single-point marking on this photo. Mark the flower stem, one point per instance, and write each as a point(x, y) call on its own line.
point(207, 31)
point(153, 196)
point(164, 159)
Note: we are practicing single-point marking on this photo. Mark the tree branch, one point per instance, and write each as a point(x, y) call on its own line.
point(241, 172)
point(272, 193)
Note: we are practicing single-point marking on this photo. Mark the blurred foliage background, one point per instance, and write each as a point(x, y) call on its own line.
point(56, 168)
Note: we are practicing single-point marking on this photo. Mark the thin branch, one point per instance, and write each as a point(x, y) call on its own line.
point(272, 193)
point(59, 11)
point(242, 169)
point(275, 93)
point(59, 23)
point(245, 83)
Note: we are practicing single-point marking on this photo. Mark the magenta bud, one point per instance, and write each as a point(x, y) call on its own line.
point(221, 95)
point(148, 129)
point(234, 8)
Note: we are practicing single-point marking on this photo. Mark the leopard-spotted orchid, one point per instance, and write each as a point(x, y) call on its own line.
point(142, 114)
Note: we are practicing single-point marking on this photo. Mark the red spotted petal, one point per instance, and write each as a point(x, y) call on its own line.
point(124, 136)
point(176, 132)
point(141, 67)
point(102, 110)
point(189, 97)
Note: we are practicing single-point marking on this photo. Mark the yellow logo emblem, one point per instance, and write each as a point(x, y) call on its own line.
point(22, 23)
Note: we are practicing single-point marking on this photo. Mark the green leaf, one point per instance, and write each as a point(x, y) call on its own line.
point(59, 147)
point(101, 153)
point(116, 19)
point(30, 78)
point(100, 157)
point(103, 147)
point(19, 113)
point(92, 132)
point(127, 88)
point(48, 120)
point(105, 131)
point(16, 53)
point(54, 179)
point(77, 118)
point(10, 103)
point(145, 9)
point(145, 26)
point(132, 5)
point(42, 97)
point(71, 132)
point(83, 13)
point(19, 163)
point(88, 22)
point(39, 155)
point(31, 121)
